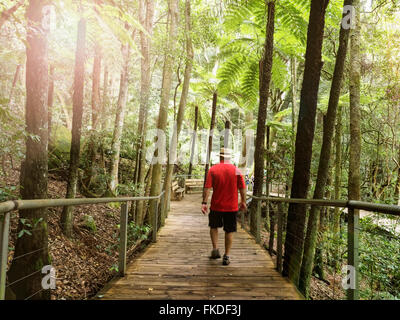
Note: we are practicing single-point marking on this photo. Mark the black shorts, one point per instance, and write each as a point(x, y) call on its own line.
point(217, 219)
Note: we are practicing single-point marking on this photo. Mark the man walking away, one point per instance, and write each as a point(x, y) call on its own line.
point(225, 179)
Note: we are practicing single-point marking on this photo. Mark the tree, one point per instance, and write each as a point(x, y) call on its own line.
point(165, 97)
point(93, 143)
point(354, 180)
point(34, 169)
point(265, 79)
point(50, 100)
point(194, 138)
point(146, 16)
point(119, 120)
point(338, 167)
point(324, 160)
point(79, 85)
point(305, 135)
point(181, 110)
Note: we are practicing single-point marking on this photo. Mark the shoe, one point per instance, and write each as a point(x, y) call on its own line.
point(226, 260)
point(215, 254)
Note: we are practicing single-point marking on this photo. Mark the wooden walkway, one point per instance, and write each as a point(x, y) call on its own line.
point(178, 267)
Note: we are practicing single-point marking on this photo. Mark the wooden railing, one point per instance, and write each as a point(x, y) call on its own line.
point(352, 229)
point(7, 207)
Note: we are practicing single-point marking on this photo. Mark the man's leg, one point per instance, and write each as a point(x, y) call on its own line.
point(228, 242)
point(214, 237)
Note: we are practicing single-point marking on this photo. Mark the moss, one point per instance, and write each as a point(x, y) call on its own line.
point(89, 223)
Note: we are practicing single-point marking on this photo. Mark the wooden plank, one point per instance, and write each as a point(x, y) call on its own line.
point(178, 265)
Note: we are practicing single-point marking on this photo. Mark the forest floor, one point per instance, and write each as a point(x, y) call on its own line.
point(328, 289)
point(85, 263)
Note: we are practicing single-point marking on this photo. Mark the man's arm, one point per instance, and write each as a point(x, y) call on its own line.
point(204, 207)
point(243, 204)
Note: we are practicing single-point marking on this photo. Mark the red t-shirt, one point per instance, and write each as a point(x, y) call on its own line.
point(225, 179)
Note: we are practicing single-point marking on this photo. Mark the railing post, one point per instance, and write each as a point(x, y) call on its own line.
point(4, 230)
point(258, 222)
point(164, 208)
point(352, 252)
point(168, 203)
point(155, 220)
point(123, 239)
point(279, 240)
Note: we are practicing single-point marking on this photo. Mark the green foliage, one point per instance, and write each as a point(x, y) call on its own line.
point(137, 233)
point(89, 223)
point(7, 193)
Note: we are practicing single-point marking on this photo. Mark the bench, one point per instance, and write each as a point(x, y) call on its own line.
point(177, 191)
point(194, 185)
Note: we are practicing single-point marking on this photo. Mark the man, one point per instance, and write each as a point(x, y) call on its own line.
point(225, 180)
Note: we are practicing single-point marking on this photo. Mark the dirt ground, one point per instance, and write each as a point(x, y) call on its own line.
point(85, 263)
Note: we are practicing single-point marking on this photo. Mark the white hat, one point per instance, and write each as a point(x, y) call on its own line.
point(225, 153)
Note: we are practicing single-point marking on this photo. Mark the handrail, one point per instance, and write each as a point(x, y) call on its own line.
point(40, 203)
point(351, 204)
point(352, 229)
point(8, 206)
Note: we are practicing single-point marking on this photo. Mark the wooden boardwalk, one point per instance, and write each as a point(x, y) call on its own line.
point(178, 267)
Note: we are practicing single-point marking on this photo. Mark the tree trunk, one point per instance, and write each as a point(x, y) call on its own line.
point(146, 19)
point(193, 149)
point(79, 83)
point(93, 140)
point(14, 84)
point(173, 8)
point(50, 101)
point(119, 121)
point(304, 140)
point(181, 110)
point(397, 188)
point(210, 136)
point(354, 180)
point(33, 248)
point(293, 70)
point(324, 160)
point(338, 168)
point(355, 132)
point(265, 79)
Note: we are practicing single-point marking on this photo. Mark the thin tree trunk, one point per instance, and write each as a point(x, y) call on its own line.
point(265, 79)
point(210, 136)
point(193, 149)
point(355, 132)
point(32, 249)
point(181, 110)
point(338, 168)
point(14, 84)
point(105, 101)
point(93, 140)
point(79, 83)
point(173, 9)
point(324, 160)
point(50, 101)
point(294, 104)
point(354, 180)
point(397, 188)
point(146, 18)
point(119, 121)
point(304, 140)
